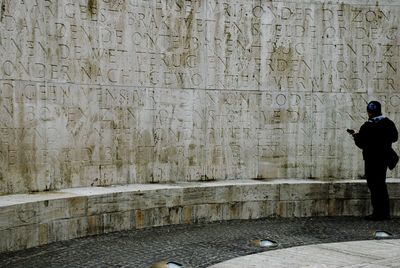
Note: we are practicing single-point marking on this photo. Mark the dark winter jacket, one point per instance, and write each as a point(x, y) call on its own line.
point(375, 138)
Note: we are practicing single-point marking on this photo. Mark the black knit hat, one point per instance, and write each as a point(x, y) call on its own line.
point(374, 107)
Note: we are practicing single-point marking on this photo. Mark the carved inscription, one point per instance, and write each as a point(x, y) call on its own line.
point(102, 92)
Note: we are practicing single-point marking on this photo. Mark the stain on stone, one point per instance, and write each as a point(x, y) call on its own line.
point(95, 224)
point(92, 70)
point(119, 164)
point(66, 173)
point(192, 161)
point(234, 209)
point(92, 7)
point(189, 23)
point(187, 215)
point(139, 219)
point(94, 182)
point(180, 3)
point(49, 187)
point(204, 178)
point(3, 9)
point(152, 178)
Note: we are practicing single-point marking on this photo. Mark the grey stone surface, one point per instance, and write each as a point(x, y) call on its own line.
point(202, 245)
point(105, 92)
point(377, 253)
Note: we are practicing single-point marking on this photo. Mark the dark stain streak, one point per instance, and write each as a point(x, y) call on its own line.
point(3, 10)
point(92, 7)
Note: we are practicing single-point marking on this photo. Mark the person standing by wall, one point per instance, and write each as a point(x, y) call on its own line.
point(375, 138)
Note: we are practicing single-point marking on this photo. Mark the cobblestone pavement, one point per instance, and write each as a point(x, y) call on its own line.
point(197, 245)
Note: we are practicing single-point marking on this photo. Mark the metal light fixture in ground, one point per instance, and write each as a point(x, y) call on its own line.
point(165, 264)
point(174, 265)
point(382, 234)
point(264, 243)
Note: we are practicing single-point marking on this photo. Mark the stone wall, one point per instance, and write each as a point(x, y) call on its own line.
point(102, 92)
point(29, 220)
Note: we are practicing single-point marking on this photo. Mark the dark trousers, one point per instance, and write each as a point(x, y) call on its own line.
point(375, 173)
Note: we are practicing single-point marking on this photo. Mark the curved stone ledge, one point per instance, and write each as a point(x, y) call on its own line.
point(28, 220)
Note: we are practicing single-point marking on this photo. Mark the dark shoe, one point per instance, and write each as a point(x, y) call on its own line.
point(373, 217)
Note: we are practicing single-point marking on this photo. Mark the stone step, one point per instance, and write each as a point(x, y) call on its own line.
point(28, 220)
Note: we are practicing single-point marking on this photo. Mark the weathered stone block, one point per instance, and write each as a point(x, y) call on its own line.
point(64, 229)
point(394, 189)
point(19, 237)
point(197, 195)
point(152, 217)
point(349, 190)
point(304, 191)
point(260, 192)
point(19, 215)
point(253, 210)
point(356, 207)
point(49, 210)
point(110, 203)
point(111, 222)
point(157, 198)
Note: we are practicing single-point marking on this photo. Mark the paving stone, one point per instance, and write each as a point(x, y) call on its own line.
point(196, 245)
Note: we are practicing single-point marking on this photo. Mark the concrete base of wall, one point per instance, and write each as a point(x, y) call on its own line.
point(28, 220)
